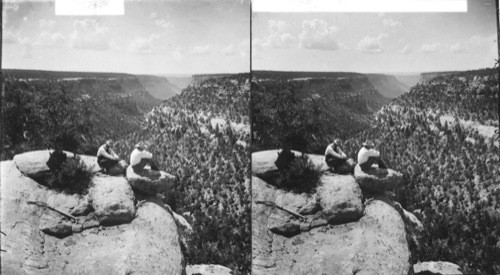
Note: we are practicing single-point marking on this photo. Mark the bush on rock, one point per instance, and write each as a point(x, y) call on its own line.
point(299, 176)
point(69, 175)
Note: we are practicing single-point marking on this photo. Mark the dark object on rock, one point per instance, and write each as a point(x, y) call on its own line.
point(150, 182)
point(56, 160)
point(377, 180)
point(285, 159)
point(118, 169)
point(347, 167)
point(54, 224)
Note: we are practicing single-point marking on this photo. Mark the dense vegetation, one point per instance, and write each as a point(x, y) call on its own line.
point(307, 115)
point(68, 175)
point(75, 115)
point(442, 137)
point(202, 137)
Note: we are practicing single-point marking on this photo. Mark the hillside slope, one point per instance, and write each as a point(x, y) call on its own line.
point(202, 137)
point(41, 109)
point(443, 135)
point(307, 113)
point(388, 85)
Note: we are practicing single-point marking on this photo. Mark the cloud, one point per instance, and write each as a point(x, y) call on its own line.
point(48, 37)
point(458, 48)
point(391, 22)
point(143, 45)
point(9, 37)
point(47, 25)
point(372, 44)
point(316, 34)
point(153, 15)
point(430, 48)
point(202, 50)
point(277, 37)
point(406, 49)
point(476, 44)
point(27, 47)
point(162, 23)
point(242, 49)
point(88, 34)
point(178, 53)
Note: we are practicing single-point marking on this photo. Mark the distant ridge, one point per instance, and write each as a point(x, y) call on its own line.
point(479, 72)
point(159, 87)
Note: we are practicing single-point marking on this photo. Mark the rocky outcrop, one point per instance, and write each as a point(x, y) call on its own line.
point(112, 199)
point(377, 180)
point(208, 269)
point(436, 268)
point(408, 217)
point(39, 240)
point(150, 182)
point(337, 234)
point(34, 163)
point(340, 198)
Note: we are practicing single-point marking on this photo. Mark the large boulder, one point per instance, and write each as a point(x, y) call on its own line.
point(112, 199)
point(34, 163)
point(377, 180)
point(150, 182)
point(147, 245)
point(340, 198)
point(436, 268)
point(375, 244)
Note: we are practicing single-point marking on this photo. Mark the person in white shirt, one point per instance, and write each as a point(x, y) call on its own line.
point(106, 157)
point(139, 158)
point(368, 156)
point(334, 157)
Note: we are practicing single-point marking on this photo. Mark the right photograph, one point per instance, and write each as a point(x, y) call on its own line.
point(375, 142)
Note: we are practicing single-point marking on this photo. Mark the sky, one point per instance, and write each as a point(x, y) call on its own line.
point(376, 42)
point(153, 37)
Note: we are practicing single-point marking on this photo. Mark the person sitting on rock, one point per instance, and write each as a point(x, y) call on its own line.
point(368, 156)
point(139, 158)
point(334, 157)
point(106, 157)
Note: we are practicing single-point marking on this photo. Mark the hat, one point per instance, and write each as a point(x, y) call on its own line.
point(140, 144)
point(336, 141)
point(368, 143)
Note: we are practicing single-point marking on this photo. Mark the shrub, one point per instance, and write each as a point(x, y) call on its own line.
point(72, 176)
point(300, 176)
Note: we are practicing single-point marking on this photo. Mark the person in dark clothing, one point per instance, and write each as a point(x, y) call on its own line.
point(334, 157)
point(106, 157)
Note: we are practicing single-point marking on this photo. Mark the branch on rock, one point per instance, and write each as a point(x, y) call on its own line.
point(42, 204)
point(272, 204)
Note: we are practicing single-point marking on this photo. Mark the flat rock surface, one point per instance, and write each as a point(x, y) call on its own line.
point(438, 268)
point(208, 269)
point(147, 245)
point(112, 199)
point(375, 244)
point(150, 182)
point(377, 180)
point(34, 163)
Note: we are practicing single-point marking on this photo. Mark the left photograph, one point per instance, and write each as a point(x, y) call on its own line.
point(125, 139)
